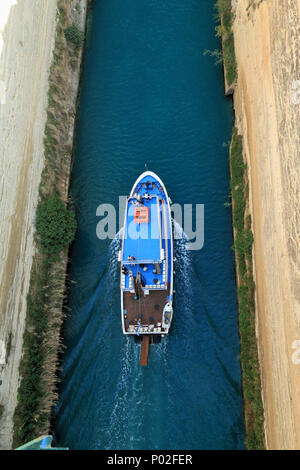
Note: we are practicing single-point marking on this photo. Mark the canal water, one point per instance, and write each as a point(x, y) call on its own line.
point(150, 96)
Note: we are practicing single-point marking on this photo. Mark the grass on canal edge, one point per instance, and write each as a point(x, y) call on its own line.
point(254, 414)
point(1, 410)
point(224, 31)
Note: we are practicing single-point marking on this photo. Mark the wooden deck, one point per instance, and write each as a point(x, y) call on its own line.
point(147, 308)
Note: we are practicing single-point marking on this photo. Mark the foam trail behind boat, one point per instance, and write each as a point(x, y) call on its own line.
point(183, 275)
point(126, 398)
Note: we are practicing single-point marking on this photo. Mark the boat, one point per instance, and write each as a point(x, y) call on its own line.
point(146, 258)
point(41, 443)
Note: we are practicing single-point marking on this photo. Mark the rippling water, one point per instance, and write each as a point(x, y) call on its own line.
point(149, 95)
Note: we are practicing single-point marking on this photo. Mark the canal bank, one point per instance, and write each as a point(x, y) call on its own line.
point(27, 33)
point(243, 242)
point(55, 226)
point(266, 102)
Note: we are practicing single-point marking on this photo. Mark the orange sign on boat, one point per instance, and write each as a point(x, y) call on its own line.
point(141, 215)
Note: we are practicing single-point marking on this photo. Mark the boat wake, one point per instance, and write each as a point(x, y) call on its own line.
point(182, 255)
point(124, 423)
point(183, 278)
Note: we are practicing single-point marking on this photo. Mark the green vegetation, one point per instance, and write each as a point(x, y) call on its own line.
point(217, 54)
point(224, 31)
point(55, 224)
point(75, 39)
point(8, 346)
point(254, 414)
point(35, 394)
point(55, 230)
point(28, 415)
point(74, 35)
point(1, 411)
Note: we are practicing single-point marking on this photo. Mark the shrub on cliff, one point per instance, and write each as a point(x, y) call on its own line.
point(224, 31)
point(74, 35)
point(229, 58)
point(55, 224)
point(243, 242)
point(225, 10)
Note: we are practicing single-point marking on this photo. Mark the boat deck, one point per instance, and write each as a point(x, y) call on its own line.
point(149, 307)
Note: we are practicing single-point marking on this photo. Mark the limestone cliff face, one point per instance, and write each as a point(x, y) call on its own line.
point(267, 105)
point(29, 40)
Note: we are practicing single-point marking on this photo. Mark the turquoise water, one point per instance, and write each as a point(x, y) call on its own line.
point(149, 95)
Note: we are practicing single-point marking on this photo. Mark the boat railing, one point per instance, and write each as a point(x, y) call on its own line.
point(140, 261)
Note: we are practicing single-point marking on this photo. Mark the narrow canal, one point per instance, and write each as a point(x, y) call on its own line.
point(149, 95)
